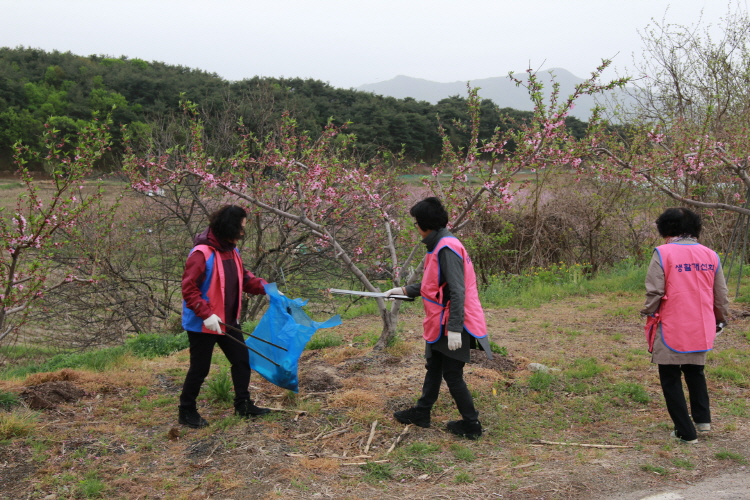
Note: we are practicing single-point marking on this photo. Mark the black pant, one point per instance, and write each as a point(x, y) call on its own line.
point(439, 367)
point(671, 385)
point(201, 349)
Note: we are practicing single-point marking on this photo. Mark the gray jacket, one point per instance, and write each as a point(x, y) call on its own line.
point(452, 274)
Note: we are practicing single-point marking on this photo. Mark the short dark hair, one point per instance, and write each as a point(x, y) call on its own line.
point(679, 222)
point(430, 214)
point(226, 222)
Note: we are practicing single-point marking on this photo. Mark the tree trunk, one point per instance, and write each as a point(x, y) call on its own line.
point(390, 321)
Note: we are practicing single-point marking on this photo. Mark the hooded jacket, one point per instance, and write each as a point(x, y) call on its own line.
point(213, 282)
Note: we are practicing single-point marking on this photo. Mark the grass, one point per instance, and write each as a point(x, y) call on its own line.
point(219, 387)
point(655, 469)
point(605, 394)
point(17, 423)
point(323, 340)
point(730, 455)
point(541, 285)
point(8, 400)
point(584, 368)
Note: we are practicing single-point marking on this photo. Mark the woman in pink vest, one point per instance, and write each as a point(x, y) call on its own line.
point(212, 286)
point(454, 320)
point(686, 299)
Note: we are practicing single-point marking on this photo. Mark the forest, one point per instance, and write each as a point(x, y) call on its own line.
point(67, 91)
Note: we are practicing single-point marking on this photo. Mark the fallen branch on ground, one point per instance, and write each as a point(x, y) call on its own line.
point(398, 439)
point(541, 441)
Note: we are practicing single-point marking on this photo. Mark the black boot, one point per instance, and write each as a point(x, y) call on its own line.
point(245, 408)
point(417, 416)
point(464, 428)
point(188, 415)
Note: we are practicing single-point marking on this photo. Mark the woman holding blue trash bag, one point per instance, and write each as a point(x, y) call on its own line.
point(686, 301)
point(212, 286)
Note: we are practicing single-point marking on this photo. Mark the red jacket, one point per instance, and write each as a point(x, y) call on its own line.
point(195, 288)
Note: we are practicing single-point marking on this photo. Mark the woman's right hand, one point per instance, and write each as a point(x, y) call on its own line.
point(213, 322)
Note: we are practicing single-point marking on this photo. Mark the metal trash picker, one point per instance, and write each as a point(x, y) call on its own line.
point(374, 295)
point(256, 338)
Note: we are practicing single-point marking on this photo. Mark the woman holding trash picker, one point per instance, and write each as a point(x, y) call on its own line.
point(212, 286)
point(686, 301)
point(454, 320)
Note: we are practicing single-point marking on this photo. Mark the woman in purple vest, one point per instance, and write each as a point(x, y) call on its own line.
point(687, 294)
point(454, 321)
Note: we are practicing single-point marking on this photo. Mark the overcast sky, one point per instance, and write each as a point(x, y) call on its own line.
point(351, 42)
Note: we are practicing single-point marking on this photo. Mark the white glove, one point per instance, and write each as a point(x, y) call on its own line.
point(454, 340)
point(213, 323)
point(395, 291)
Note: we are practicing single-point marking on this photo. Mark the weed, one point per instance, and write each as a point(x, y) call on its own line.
point(17, 423)
point(497, 349)
point(632, 390)
point(463, 477)
point(423, 465)
point(152, 345)
point(738, 408)
point(369, 338)
point(463, 453)
point(655, 469)
point(540, 381)
point(585, 368)
point(730, 455)
point(91, 488)
point(8, 400)
point(324, 339)
point(99, 361)
point(683, 463)
point(219, 388)
point(421, 449)
point(730, 374)
point(377, 472)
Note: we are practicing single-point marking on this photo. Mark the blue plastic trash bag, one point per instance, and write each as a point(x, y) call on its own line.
point(284, 324)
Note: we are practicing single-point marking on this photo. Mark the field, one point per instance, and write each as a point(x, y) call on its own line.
point(600, 397)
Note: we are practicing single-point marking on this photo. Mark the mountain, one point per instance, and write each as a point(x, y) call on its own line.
point(502, 90)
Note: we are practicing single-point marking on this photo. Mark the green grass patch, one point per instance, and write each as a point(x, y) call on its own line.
point(151, 345)
point(631, 390)
point(683, 463)
point(219, 387)
point(17, 423)
point(583, 368)
point(728, 374)
point(655, 469)
point(498, 349)
point(100, 360)
point(540, 381)
point(730, 455)
point(463, 453)
point(538, 286)
point(375, 473)
point(8, 400)
point(323, 339)
point(463, 477)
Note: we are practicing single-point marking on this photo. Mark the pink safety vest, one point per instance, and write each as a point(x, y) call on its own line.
point(436, 313)
point(217, 284)
point(688, 323)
